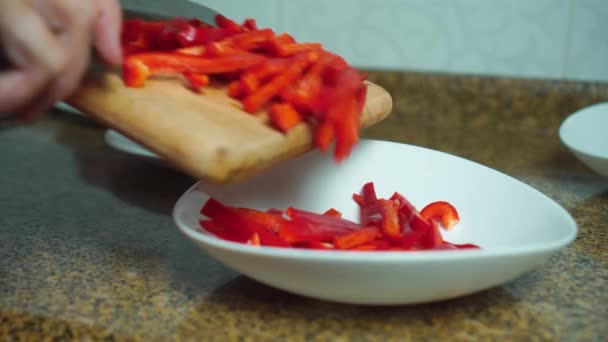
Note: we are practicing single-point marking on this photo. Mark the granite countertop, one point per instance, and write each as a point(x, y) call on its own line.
point(88, 248)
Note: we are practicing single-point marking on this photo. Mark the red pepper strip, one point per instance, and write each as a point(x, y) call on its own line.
point(224, 22)
point(447, 245)
point(254, 240)
point(346, 127)
point(284, 116)
point(220, 232)
point(235, 89)
point(197, 81)
point(195, 50)
point(301, 216)
point(441, 211)
point(171, 63)
point(304, 93)
point(432, 238)
point(307, 226)
point(358, 199)
point(368, 193)
point(390, 219)
point(356, 238)
point(260, 97)
point(245, 222)
point(275, 211)
point(333, 212)
point(251, 79)
point(135, 73)
point(324, 135)
point(203, 35)
point(314, 245)
point(250, 24)
point(250, 40)
point(290, 49)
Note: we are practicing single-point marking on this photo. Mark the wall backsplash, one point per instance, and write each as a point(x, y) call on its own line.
point(556, 39)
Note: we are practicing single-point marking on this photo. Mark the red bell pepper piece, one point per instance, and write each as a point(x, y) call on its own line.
point(358, 199)
point(333, 212)
point(250, 24)
point(275, 211)
point(260, 97)
point(324, 135)
point(245, 222)
point(441, 211)
point(251, 79)
point(308, 226)
point(390, 219)
point(356, 238)
point(226, 23)
point(195, 50)
point(196, 81)
point(284, 116)
point(140, 66)
point(220, 232)
point(254, 240)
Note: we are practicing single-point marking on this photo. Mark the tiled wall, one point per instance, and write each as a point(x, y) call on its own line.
point(525, 38)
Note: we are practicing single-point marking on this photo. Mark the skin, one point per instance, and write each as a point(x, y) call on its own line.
point(46, 46)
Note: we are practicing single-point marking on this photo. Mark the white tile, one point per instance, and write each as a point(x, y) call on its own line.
point(393, 34)
point(588, 50)
point(515, 38)
point(264, 11)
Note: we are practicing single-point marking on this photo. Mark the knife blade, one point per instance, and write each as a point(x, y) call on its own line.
point(164, 9)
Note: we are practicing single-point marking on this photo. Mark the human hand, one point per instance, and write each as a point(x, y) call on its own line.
point(47, 45)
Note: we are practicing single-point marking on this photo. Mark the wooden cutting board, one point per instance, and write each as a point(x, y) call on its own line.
point(205, 135)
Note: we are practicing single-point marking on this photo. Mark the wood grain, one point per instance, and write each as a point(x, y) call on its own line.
point(205, 135)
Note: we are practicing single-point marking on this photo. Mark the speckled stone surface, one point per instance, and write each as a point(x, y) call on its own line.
point(88, 249)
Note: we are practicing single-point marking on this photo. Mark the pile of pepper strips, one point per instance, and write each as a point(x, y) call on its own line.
point(391, 224)
point(295, 82)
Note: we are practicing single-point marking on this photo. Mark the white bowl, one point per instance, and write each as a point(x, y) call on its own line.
point(517, 227)
point(585, 133)
point(124, 144)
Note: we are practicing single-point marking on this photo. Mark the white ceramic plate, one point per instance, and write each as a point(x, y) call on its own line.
point(124, 144)
point(517, 226)
point(585, 133)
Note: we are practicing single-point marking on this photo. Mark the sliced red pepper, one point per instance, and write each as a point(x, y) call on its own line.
point(196, 81)
point(308, 226)
point(245, 222)
point(252, 79)
point(356, 238)
point(441, 211)
point(171, 63)
point(220, 232)
point(333, 212)
point(260, 97)
point(275, 211)
point(284, 116)
point(135, 73)
point(324, 135)
point(390, 219)
point(223, 22)
point(195, 50)
point(254, 240)
point(250, 24)
point(358, 199)
point(235, 89)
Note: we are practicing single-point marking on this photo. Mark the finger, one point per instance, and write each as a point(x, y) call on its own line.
point(17, 87)
point(32, 51)
point(107, 32)
point(78, 19)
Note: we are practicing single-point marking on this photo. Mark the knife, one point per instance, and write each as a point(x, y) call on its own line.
point(164, 9)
